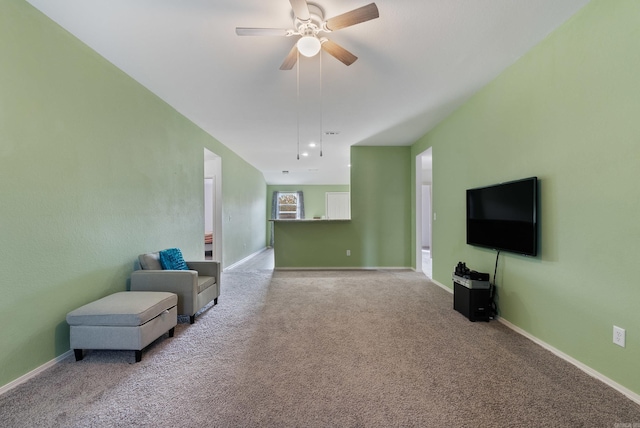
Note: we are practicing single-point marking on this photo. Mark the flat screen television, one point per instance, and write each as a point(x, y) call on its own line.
point(504, 216)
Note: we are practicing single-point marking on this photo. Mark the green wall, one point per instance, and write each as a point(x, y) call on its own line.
point(378, 234)
point(314, 199)
point(94, 169)
point(566, 112)
point(243, 215)
point(314, 196)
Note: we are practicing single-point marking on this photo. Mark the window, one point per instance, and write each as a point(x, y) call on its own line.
point(288, 205)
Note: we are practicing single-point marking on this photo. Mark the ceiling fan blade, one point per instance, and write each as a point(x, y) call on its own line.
point(300, 9)
point(356, 16)
point(340, 53)
point(244, 31)
point(291, 59)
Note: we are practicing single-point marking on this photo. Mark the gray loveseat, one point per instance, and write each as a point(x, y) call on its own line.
point(195, 287)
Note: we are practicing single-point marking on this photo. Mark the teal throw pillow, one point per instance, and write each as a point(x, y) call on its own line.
point(171, 259)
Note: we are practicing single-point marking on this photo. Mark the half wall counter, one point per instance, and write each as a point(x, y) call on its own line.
point(315, 244)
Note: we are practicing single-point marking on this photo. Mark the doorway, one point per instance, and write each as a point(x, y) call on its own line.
point(212, 206)
point(424, 212)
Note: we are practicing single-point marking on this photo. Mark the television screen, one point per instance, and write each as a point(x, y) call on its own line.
point(504, 216)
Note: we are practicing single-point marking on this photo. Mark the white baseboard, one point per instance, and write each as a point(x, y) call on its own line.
point(588, 370)
point(450, 290)
point(363, 268)
point(33, 373)
point(249, 257)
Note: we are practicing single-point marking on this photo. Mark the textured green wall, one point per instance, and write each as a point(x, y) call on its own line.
point(243, 215)
point(378, 233)
point(568, 113)
point(94, 169)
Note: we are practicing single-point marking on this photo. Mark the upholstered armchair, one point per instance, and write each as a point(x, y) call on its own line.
point(195, 282)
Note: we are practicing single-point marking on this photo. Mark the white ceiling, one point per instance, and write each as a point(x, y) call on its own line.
point(417, 63)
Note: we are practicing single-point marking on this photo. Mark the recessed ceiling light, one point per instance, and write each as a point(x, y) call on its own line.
point(285, 172)
point(305, 154)
point(312, 144)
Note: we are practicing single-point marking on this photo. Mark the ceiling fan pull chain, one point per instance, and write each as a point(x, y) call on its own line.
point(298, 97)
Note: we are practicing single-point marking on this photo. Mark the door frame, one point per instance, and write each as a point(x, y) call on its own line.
point(419, 213)
point(213, 169)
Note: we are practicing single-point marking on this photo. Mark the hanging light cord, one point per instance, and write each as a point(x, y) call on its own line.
point(298, 101)
point(298, 97)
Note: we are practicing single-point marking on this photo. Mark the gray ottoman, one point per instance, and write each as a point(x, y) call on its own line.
point(129, 320)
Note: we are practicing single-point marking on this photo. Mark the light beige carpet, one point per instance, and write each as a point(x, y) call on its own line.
point(322, 349)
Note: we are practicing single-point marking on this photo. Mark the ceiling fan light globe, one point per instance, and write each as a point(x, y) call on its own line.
point(308, 46)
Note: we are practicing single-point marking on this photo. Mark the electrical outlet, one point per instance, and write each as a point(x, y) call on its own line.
point(348, 252)
point(618, 335)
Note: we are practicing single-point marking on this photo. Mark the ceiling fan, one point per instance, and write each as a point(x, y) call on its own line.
point(308, 23)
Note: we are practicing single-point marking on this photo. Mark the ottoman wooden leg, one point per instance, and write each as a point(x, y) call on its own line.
point(138, 356)
point(78, 353)
point(172, 331)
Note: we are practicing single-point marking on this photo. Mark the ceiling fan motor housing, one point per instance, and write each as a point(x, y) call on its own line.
point(314, 24)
